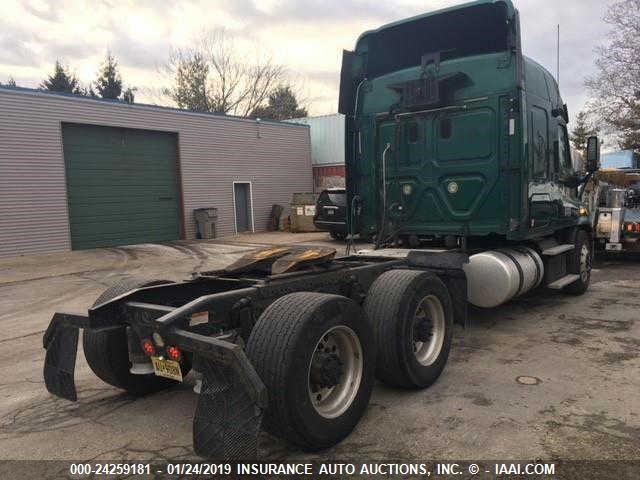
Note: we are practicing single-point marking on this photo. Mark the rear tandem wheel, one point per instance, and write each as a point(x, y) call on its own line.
point(412, 316)
point(315, 353)
point(107, 352)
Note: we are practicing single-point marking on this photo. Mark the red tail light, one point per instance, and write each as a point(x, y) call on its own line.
point(173, 353)
point(148, 347)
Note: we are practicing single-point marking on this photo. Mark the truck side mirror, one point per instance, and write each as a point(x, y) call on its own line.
point(593, 154)
point(562, 111)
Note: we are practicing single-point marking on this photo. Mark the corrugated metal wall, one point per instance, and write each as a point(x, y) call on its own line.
point(214, 152)
point(327, 138)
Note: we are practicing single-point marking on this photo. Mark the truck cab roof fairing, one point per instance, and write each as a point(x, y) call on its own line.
point(469, 29)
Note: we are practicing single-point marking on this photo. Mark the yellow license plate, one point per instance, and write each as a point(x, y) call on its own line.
point(167, 368)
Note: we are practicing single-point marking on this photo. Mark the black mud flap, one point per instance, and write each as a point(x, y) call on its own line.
point(231, 403)
point(227, 419)
point(61, 342)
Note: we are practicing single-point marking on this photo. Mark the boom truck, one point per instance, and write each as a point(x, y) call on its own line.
point(614, 197)
point(457, 163)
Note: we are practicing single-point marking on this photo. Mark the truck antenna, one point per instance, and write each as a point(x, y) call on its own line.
point(558, 58)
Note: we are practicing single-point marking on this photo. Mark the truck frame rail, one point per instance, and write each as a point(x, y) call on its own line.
point(210, 318)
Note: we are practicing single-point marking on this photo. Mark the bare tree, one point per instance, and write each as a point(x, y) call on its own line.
point(615, 87)
point(216, 76)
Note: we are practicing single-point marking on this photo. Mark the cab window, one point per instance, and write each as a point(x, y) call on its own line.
point(538, 142)
point(562, 154)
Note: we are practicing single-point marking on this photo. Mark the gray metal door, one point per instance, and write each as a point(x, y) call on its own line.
point(241, 195)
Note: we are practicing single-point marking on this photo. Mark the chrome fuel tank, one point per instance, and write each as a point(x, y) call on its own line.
point(496, 276)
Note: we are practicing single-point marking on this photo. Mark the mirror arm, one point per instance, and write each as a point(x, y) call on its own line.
point(584, 182)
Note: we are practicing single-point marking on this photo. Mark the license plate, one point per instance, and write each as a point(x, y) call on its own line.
point(167, 368)
point(330, 212)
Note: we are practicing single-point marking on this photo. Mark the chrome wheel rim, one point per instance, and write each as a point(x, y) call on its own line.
point(585, 263)
point(428, 330)
point(338, 350)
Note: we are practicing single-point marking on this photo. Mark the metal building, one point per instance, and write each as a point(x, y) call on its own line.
point(80, 173)
point(327, 149)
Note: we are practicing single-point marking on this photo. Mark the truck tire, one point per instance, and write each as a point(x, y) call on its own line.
point(107, 353)
point(412, 317)
point(579, 262)
point(315, 353)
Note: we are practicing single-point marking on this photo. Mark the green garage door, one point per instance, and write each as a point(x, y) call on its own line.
point(122, 186)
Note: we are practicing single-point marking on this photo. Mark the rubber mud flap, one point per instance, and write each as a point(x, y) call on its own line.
point(60, 361)
point(228, 417)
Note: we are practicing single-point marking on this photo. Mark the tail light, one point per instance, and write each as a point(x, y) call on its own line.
point(148, 348)
point(174, 353)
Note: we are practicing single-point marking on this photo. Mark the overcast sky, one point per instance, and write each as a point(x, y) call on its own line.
point(305, 36)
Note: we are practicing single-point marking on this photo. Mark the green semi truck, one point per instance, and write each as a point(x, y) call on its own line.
point(456, 139)
point(457, 164)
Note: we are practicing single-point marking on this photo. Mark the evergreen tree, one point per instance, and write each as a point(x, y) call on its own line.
point(109, 82)
point(11, 82)
point(282, 105)
point(87, 92)
point(61, 80)
point(581, 132)
point(190, 90)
